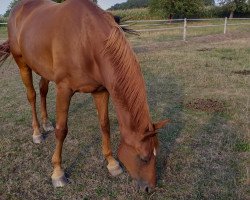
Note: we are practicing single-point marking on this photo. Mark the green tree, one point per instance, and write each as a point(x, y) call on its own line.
point(12, 4)
point(177, 8)
point(209, 2)
point(130, 4)
point(240, 6)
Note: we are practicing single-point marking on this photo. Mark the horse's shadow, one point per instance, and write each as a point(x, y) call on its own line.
point(165, 97)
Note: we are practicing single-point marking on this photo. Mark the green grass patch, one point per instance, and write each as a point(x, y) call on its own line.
point(3, 32)
point(242, 146)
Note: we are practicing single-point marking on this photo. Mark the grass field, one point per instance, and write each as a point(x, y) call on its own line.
point(3, 32)
point(203, 154)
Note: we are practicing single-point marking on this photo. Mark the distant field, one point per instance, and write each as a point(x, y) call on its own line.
point(135, 14)
point(202, 85)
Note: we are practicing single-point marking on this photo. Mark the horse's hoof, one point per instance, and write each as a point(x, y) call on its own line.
point(60, 181)
point(48, 126)
point(115, 169)
point(37, 139)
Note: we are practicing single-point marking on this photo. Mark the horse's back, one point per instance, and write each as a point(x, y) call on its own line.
point(70, 18)
point(23, 12)
point(60, 40)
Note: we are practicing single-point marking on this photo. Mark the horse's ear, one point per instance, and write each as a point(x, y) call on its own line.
point(147, 135)
point(161, 124)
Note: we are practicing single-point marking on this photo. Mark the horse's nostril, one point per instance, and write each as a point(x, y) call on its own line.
point(144, 187)
point(144, 161)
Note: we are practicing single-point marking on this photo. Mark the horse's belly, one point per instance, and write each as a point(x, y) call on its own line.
point(88, 89)
point(85, 86)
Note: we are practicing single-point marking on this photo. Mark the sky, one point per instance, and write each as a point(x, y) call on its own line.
point(104, 4)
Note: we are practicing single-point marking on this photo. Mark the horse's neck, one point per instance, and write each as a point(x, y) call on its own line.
point(130, 99)
point(132, 118)
point(128, 88)
point(130, 130)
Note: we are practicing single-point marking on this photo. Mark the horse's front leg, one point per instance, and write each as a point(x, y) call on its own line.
point(63, 97)
point(44, 86)
point(101, 101)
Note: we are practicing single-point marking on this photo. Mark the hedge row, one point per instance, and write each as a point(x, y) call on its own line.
point(144, 14)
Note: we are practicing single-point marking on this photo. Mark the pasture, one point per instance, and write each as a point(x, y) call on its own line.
point(202, 85)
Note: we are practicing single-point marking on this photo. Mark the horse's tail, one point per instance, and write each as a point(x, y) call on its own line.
point(4, 51)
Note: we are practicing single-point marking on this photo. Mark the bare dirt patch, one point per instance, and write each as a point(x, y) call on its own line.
point(219, 37)
point(242, 72)
point(206, 105)
point(158, 46)
point(205, 49)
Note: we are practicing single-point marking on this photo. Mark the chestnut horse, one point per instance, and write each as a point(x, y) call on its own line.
point(80, 47)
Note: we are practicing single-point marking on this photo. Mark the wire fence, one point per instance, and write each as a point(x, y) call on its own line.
point(185, 25)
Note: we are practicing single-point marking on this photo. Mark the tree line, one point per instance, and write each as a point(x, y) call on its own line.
point(190, 8)
point(130, 4)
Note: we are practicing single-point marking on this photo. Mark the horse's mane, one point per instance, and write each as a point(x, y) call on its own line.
point(129, 86)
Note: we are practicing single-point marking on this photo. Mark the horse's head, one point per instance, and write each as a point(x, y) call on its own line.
point(140, 157)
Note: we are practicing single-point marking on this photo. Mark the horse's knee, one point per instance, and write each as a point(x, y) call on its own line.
point(104, 123)
point(31, 95)
point(43, 86)
point(43, 91)
point(61, 133)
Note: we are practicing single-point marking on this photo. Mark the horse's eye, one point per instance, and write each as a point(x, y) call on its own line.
point(145, 159)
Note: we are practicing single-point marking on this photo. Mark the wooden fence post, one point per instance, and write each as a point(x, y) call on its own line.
point(225, 26)
point(185, 30)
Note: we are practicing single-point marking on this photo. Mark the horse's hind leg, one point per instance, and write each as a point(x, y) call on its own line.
point(101, 100)
point(26, 75)
point(44, 86)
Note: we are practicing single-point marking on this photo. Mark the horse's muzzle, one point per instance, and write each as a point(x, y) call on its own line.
point(144, 187)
